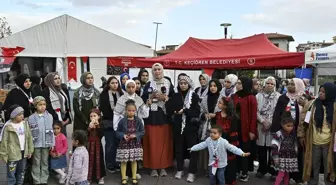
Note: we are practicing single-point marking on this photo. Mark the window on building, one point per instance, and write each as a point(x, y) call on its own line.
point(276, 44)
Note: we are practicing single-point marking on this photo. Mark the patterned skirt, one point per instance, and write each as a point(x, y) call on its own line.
point(129, 151)
point(288, 164)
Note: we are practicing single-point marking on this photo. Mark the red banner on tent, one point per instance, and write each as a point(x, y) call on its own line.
point(72, 68)
point(123, 61)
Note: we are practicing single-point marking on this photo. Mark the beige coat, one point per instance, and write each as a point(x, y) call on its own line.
point(306, 131)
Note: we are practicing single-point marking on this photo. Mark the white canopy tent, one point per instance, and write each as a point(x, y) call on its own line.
point(66, 36)
point(324, 61)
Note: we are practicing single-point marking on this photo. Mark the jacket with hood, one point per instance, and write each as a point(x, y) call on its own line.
point(10, 144)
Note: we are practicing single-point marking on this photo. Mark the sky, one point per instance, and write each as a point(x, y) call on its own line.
point(305, 20)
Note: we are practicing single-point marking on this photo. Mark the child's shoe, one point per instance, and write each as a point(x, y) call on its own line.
point(101, 181)
point(178, 174)
point(191, 177)
point(138, 176)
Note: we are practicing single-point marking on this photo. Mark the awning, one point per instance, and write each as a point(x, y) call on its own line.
point(255, 52)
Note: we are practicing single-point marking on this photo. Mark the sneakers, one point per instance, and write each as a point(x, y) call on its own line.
point(163, 173)
point(138, 176)
point(244, 178)
point(178, 174)
point(101, 181)
point(154, 173)
point(191, 177)
point(62, 180)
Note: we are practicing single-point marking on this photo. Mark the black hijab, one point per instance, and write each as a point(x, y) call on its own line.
point(213, 97)
point(247, 84)
point(20, 80)
point(330, 95)
point(142, 70)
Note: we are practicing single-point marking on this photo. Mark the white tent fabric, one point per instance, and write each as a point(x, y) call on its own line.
point(321, 56)
point(67, 36)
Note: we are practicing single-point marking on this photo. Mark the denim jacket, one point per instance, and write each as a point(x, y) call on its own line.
point(122, 128)
point(41, 127)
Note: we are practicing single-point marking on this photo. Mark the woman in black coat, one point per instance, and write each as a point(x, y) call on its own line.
point(21, 95)
point(185, 109)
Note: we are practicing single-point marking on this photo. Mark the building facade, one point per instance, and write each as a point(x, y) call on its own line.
point(313, 45)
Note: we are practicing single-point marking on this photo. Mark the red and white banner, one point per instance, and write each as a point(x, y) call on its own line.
point(8, 57)
point(72, 68)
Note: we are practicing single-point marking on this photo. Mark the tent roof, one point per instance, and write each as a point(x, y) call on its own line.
point(67, 36)
point(321, 55)
point(251, 53)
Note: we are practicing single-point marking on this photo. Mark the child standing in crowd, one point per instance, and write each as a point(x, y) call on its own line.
point(79, 161)
point(130, 131)
point(217, 147)
point(96, 156)
point(41, 126)
point(285, 149)
point(16, 145)
point(58, 161)
point(227, 122)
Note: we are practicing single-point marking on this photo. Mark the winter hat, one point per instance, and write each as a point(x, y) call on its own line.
point(38, 99)
point(14, 111)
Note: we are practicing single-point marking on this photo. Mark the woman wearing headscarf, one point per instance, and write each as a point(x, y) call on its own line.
point(256, 86)
point(229, 85)
point(119, 110)
point(143, 76)
point(208, 112)
point(184, 108)
point(316, 132)
point(123, 78)
point(86, 97)
point(138, 89)
point(203, 90)
point(108, 100)
point(158, 140)
point(290, 101)
point(21, 95)
point(255, 90)
point(245, 105)
point(266, 100)
point(57, 99)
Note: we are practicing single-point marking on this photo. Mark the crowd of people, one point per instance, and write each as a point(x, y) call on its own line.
point(151, 123)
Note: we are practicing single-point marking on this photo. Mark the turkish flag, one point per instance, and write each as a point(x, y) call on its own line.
point(9, 52)
point(72, 68)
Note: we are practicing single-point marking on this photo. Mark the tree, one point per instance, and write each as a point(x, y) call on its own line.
point(5, 29)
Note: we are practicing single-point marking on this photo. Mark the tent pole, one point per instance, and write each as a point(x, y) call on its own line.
point(316, 80)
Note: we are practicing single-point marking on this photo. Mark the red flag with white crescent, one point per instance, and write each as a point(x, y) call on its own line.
point(72, 68)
